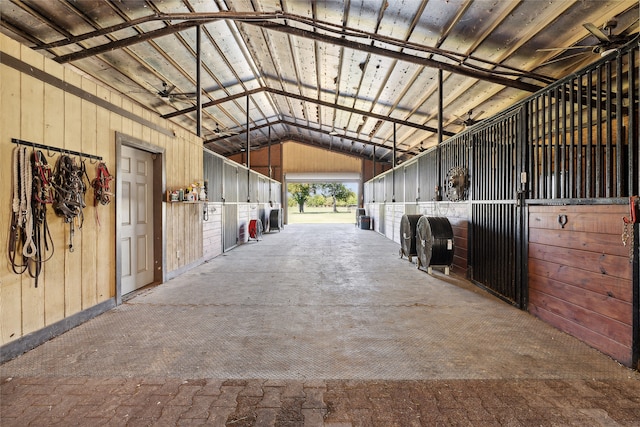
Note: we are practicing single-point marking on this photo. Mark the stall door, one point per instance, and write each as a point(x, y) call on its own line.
point(137, 219)
point(496, 227)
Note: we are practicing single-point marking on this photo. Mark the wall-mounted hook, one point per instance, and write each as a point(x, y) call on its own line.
point(205, 212)
point(562, 220)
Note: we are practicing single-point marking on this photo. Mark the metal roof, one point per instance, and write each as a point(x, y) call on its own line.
point(349, 76)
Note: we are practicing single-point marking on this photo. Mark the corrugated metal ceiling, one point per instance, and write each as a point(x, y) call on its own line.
point(336, 74)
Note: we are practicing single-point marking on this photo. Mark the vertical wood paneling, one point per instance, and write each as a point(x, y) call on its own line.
point(32, 129)
point(10, 104)
point(580, 275)
point(212, 232)
point(178, 219)
point(302, 158)
point(53, 270)
point(34, 111)
point(72, 141)
point(105, 286)
point(127, 124)
point(184, 232)
point(89, 228)
point(145, 132)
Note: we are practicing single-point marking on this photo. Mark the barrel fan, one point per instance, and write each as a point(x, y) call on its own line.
point(457, 184)
point(408, 235)
point(434, 243)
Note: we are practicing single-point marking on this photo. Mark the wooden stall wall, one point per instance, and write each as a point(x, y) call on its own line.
point(44, 102)
point(580, 277)
point(184, 237)
point(212, 231)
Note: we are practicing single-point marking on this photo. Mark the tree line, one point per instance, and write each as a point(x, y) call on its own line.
point(317, 195)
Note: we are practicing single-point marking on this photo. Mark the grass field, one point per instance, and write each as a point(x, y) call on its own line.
point(322, 216)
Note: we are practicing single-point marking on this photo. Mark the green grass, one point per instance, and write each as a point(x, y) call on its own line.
point(322, 216)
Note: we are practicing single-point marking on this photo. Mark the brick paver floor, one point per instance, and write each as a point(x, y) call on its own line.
point(44, 401)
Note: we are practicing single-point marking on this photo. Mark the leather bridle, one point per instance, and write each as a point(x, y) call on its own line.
point(101, 193)
point(69, 193)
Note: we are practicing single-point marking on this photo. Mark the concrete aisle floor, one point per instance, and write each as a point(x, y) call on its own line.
point(316, 325)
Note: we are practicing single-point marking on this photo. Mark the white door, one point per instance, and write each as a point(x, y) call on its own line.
point(137, 219)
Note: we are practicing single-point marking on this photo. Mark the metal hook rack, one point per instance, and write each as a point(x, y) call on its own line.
point(56, 149)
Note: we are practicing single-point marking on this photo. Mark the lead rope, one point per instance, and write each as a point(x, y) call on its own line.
point(29, 249)
point(16, 231)
point(42, 195)
point(16, 182)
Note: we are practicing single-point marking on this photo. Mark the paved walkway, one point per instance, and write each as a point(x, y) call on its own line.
point(317, 325)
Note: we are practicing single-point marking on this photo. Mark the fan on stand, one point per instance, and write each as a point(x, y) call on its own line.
point(457, 184)
point(607, 41)
point(434, 243)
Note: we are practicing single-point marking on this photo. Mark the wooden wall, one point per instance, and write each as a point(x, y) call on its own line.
point(368, 172)
point(260, 161)
point(212, 231)
point(580, 277)
point(66, 110)
point(303, 158)
point(296, 157)
point(184, 235)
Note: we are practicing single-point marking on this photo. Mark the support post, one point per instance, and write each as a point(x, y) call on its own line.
point(248, 155)
point(438, 189)
point(374, 162)
point(199, 80)
point(269, 165)
point(393, 170)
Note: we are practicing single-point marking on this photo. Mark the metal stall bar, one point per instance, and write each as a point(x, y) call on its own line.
point(590, 190)
point(495, 229)
point(579, 155)
point(598, 172)
point(561, 123)
point(620, 184)
point(571, 145)
point(549, 193)
point(556, 144)
point(608, 166)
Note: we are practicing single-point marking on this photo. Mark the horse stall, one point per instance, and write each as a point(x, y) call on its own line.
point(542, 199)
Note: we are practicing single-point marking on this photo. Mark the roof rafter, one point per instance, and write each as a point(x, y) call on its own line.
point(265, 20)
point(290, 135)
point(311, 100)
